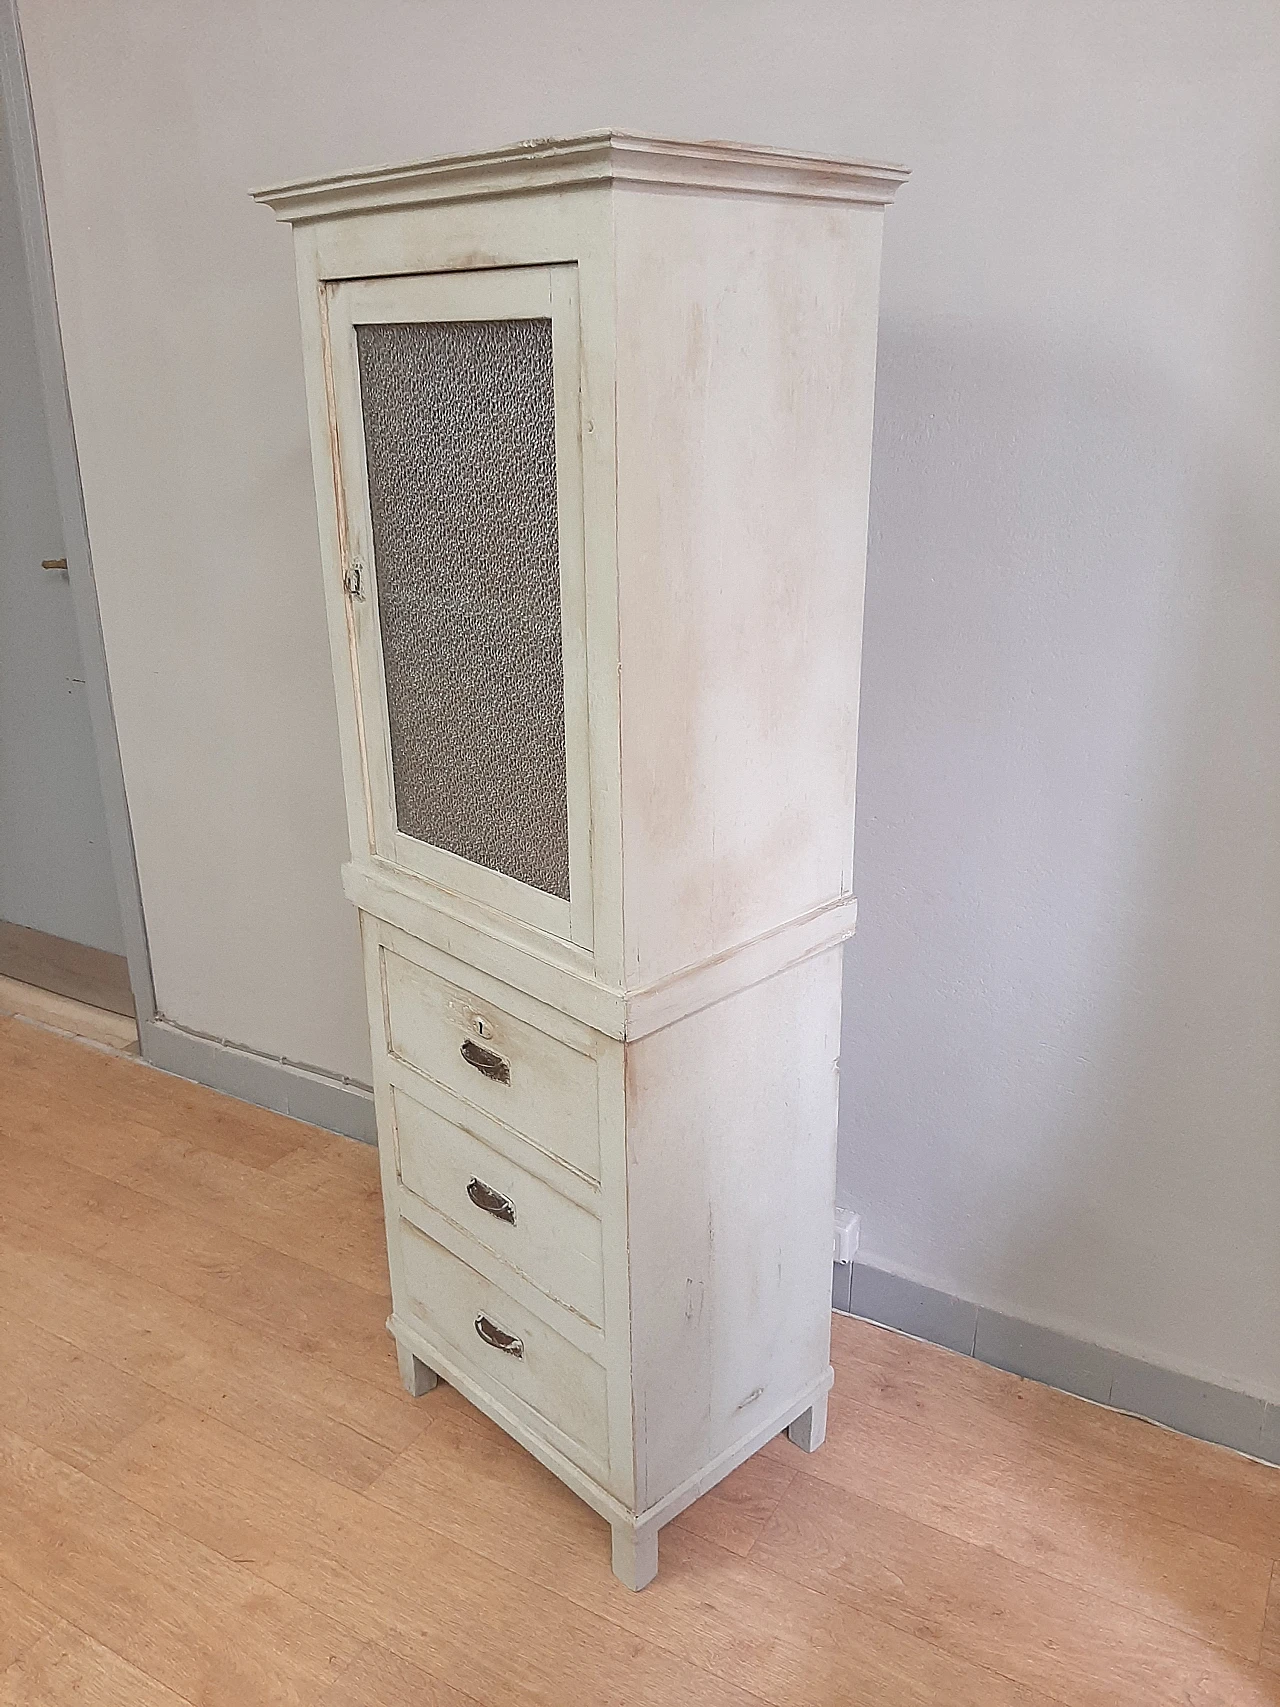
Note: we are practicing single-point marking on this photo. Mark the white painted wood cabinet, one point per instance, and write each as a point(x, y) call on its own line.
point(591, 424)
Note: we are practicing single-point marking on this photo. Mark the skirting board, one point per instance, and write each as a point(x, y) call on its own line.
point(305, 1093)
point(1197, 1408)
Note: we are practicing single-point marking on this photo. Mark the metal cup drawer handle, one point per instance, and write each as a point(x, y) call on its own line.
point(486, 1061)
point(493, 1202)
point(493, 1335)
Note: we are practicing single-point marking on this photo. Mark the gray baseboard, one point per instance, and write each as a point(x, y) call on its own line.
point(1206, 1412)
point(269, 1081)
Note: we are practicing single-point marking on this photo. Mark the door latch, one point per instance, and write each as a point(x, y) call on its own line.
point(353, 581)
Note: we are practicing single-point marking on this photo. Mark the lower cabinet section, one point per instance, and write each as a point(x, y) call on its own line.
point(619, 1249)
point(507, 1346)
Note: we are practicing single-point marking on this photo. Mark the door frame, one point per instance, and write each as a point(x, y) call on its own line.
point(16, 94)
point(524, 292)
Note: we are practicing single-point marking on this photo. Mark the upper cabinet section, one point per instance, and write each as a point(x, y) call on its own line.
point(590, 421)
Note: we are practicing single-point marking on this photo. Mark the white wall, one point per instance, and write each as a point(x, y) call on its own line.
point(1061, 1060)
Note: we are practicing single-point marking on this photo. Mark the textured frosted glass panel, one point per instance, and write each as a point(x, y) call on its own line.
point(459, 426)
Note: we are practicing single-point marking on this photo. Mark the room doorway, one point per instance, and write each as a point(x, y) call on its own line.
point(59, 916)
point(66, 943)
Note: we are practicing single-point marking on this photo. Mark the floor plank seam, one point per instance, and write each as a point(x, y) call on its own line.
point(1266, 1610)
point(375, 1647)
point(1049, 1578)
point(1070, 1458)
point(280, 1337)
point(60, 1618)
point(616, 1621)
point(732, 1559)
point(322, 1606)
point(1065, 1454)
point(219, 1226)
point(36, 1639)
point(1039, 1691)
point(792, 1479)
point(318, 1606)
point(200, 1410)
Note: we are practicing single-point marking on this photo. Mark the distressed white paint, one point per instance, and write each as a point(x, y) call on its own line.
point(746, 365)
point(558, 1387)
point(640, 1292)
point(731, 1130)
point(550, 1094)
point(551, 1239)
point(492, 293)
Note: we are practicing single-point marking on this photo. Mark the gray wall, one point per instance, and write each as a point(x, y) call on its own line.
point(1061, 1054)
point(55, 864)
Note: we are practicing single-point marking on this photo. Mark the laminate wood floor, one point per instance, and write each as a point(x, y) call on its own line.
point(214, 1492)
point(88, 975)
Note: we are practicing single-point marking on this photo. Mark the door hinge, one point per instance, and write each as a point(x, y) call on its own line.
point(353, 581)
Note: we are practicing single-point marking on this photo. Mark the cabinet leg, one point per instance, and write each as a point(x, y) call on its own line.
point(635, 1554)
point(809, 1430)
point(417, 1378)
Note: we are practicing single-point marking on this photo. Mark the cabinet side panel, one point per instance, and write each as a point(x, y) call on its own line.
point(745, 357)
point(731, 1135)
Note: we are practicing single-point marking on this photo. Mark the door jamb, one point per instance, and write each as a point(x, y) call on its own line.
point(16, 94)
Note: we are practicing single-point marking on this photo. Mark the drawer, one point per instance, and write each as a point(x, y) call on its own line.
point(553, 1243)
point(556, 1380)
point(537, 1085)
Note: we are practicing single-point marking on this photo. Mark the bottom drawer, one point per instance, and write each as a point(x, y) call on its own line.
point(505, 1346)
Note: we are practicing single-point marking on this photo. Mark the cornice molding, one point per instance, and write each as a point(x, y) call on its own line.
point(605, 156)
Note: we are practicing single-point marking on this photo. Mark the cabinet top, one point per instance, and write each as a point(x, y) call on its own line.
point(596, 157)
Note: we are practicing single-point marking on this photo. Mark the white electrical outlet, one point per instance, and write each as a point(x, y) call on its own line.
point(848, 1224)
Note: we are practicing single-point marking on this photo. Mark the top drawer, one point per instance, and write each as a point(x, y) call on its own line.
point(541, 1087)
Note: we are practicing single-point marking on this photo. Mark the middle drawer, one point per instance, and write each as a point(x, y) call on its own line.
point(553, 1243)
